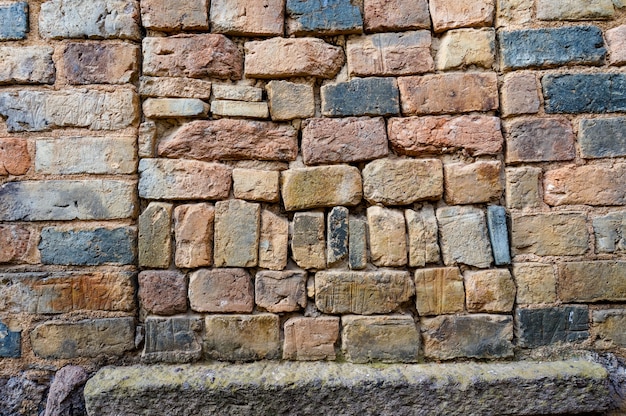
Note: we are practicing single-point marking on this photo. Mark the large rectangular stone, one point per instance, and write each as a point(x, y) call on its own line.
point(545, 326)
point(169, 16)
point(308, 241)
point(174, 87)
point(67, 200)
point(602, 137)
point(587, 184)
point(155, 240)
point(361, 97)
point(193, 233)
point(610, 232)
point(26, 64)
point(539, 140)
point(574, 9)
point(242, 337)
point(13, 20)
point(387, 237)
point(422, 236)
point(323, 17)
point(592, 281)
point(550, 234)
point(584, 93)
point(439, 291)
point(472, 183)
point(463, 236)
point(248, 17)
point(221, 290)
point(237, 229)
point(172, 340)
point(101, 63)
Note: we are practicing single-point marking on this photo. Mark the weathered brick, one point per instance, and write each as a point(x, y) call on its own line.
point(361, 97)
point(608, 326)
point(248, 17)
point(383, 54)
point(38, 110)
point(162, 292)
point(417, 136)
point(237, 92)
point(284, 58)
point(324, 18)
point(221, 290)
point(237, 229)
point(308, 243)
point(247, 109)
point(27, 65)
point(462, 48)
point(448, 93)
point(473, 183)
point(588, 184)
point(574, 9)
point(183, 179)
point(175, 16)
point(402, 181)
point(439, 291)
point(451, 14)
point(256, 185)
point(498, 234)
point(100, 63)
point(422, 236)
point(536, 283)
point(539, 140)
point(194, 56)
point(489, 291)
point(193, 231)
point(616, 43)
point(288, 100)
point(174, 107)
point(512, 12)
point(280, 291)
point(343, 140)
point(338, 233)
point(324, 186)
point(463, 236)
point(96, 155)
point(13, 20)
point(387, 236)
point(479, 336)
point(610, 232)
point(172, 340)
point(273, 241)
point(67, 200)
point(242, 337)
point(89, 19)
point(146, 140)
point(395, 15)
point(155, 241)
point(14, 156)
point(87, 338)
point(522, 187)
point(10, 342)
point(551, 234)
point(538, 327)
point(357, 247)
point(174, 87)
point(592, 281)
point(584, 93)
point(311, 339)
point(18, 243)
point(519, 94)
point(362, 293)
point(226, 139)
point(602, 137)
point(390, 339)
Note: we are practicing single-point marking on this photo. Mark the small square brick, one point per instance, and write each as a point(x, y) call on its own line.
point(519, 94)
point(172, 340)
point(473, 183)
point(256, 185)
point(536, 283)
point(522, 187)
point(17, 243)
point(463, 236)
point(489, 291)
point(248, 17)
point(221, 290)
point(280, 291)
point(452, 14)
point(396, 15)
point(288, 100)
point(462, 48)
point(439, 291)
point(162, 292)
point(311, 339)
point(170, 16)
point(14, 156)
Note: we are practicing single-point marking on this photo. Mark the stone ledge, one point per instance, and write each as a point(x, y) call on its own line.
point(317, 388)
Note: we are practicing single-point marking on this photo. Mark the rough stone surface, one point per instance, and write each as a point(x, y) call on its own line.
point(174, 340)
point(242, 337)
point(256, 185)
point(519, 94)
point(66, 391)
point(439, 291)
point(174, 87)
point(616, 45)
point(323, 18)
point(584, 93)
point(174, 107)
point(343, 140)
point(592, 281)
point(574, 9)
point(391, 339)
point(491, 291)
point(280, 291)
point(14, 157)
point(462, 48)
point(237, 92)
point(289, 100)
point(10, 342)
point(394, 15)
point(14, 20)
point(498, 234)
point(510, 12)
point(522, 187)
point(221, 290)
point(361, 97)
point(357, 248)
point(539, 140)
point(588, 184)
point(24, 393)
point(162, 292)
point(338, 233)
point(226, 108)
point(473, 183)
point(549, 234)
point(311, 339)
point(451, 14)
point(608, 324)
point(362, 293)
point(17, 243)
point(387, 236)
point(308, 242)
point(463, 236)
point(155, 242)
point(101, 63)
point(27, 65)
point(536, 283)
point(193, 231)
point(610, 232)
point(147, 136)
point(599, 138)
point(172, 17)
point(273, 241)
point(537, 327)
point(248, 17)
point(237, 229)
point(422, 236)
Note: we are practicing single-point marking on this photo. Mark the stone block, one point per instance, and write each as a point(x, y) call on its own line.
point(172, 340)
point(18, 244)
point(11, 341)
point(338, 232)
point(237, 92)
point(385, 54)
point(100, 63)
point(14, 156)
point(463, 236)
point(256, 185)
point(95, 155)
point(14, 20)
point(615, 41)
point(602, 137)
point(87, 338)
point(280, 291)
point(289, 100)
point(273, 241)
point(193, 232)
point(473, 183)
point(193, 56)
point(162, 292)
point(326, 18)
point(94, 247)
point(324, 186)
point(357, 249)
point(228, 139)
point(387, 339)
point(361, 97)
point(549, 234)
point(610, 232)
point(512, 12)
point(146, 140)
point(462, 48)
point(174, 87)
point(242, 337)
point(546, 326)
point(439, 291)
point(93, 19)
point(574, 9)
point(587, 184)
point(308, 242)
point(536, 283)
point(226, 108)
point(183, 179)
point(248, 17)
point(584, 93)
point(237, 230)
point(26, 64)
point(592, 281)
point(519, 94)
point(221, 291)
point(480, 336)
point(155, 241)
point(522, 187)
point(448, 93)
point(608, 326)
point(539, 140)
point(174, 107)
point(387, 236)
point(452, 14)
point(362, 293)
point(474, 134)
point(422, 236)
point(343, 140)
point(395, 15)
point(292, 57)
point(498, 234)
point(175, 16)
point(491, 291)
point(311, 339)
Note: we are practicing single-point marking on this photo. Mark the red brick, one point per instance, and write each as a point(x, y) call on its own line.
point(393, 15)
point(519, 94)
point(163, 292)
point(193, 231)
point(14, 157)
point(311, 338)
point(539, 140)
point(16, 242)
point(221, 290)
point(588, 185)
point(451, 14)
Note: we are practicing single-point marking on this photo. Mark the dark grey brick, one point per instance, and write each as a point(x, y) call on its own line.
point(537, 327)
point(337, 234)
point(361, 97)
point(602, 137)
point(584, 93)
point(13, 21)
point(357, 244)
point(498, 233)
point(328, 17)
point(10, 342)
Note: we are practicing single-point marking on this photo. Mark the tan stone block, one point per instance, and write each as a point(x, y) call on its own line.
point(162, 292)
point(18, 244)
point(574, 9)
point(394, 15)
point(146, 140)
point(308, 243)
point(26, 65)
point(242, 337)
point(193, 231)
point(175, 16)
point(463, 236)
point(588, 184)
point(273, 241)
point(462, 48)
point(522, 187)
point(553, 234)
point(514, 12)
point(288, 100)
point(536, 283)
point(237, 92)
point(449, 93)
point(439, 291)
point(256, 185)
point(592, 281)
point(14, 156)
point(473, 183)
point(616, 42)
point(221, 290)
point(174, 87)
point(155, 241)
point(451, 14)
point(311, 339)
point(519, 94)
point(489, 291)
point(608, 325)
point(248, 17)
point(174, 107)
point(237, 230)
point(280, 291)
point(247, 109)
point(101, 62)
point(387, 236)
point(422, 236)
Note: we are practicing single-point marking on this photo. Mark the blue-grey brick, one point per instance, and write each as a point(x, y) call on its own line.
point(13, 21)
point(584, 93)
point(10, 342)
point(552, 47)
point(537, 327)
point(337, 234)
point(88, 247)
point(499, 235)
point(358, 243)
point(602, 137)
point(327, 17)
point(361, 97)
